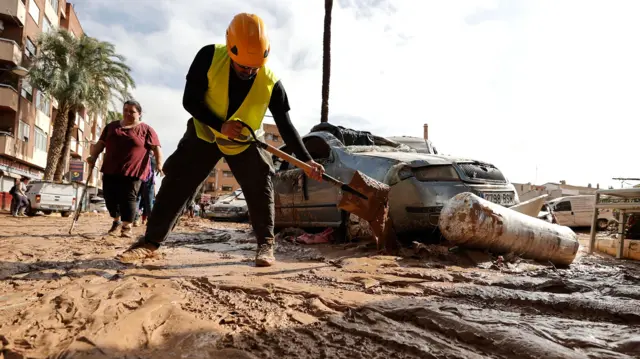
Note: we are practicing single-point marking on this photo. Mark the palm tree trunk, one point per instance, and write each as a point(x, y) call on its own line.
point(326, 61)
point(57, 142)
point(63, 163)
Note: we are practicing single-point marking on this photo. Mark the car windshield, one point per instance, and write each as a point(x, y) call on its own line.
point(236, 194)
point(418, 145)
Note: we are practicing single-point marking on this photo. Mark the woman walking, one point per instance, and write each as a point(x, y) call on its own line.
point(126, 163)
point(19, 193)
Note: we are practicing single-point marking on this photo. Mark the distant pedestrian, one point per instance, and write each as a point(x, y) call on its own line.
point(128, 143)
point(19, 193)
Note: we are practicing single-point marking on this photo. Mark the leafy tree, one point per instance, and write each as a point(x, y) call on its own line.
point(113, 116)
point(326, 61)
point(80, 73)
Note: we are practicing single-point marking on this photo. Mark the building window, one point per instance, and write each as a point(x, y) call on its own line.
point(272, 137)
point(41, 139)
point(227, 188)
point(227, 174)
point(54, 4)
point(46, 24)
point(23, 131)
point(30, 49)
point(34, 11)
point(43, 103)
point(27, 91)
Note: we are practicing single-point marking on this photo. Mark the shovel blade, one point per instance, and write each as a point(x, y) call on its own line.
point(374, 207)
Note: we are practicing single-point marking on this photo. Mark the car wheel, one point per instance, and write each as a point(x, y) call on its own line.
point(65, 214)
point(602, 224)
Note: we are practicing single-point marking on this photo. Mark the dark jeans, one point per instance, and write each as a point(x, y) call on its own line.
point(20, 203)
point(120, 194)
point(146, 196)
point(190, 165)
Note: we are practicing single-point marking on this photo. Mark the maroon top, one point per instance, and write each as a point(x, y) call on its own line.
point(127, 149)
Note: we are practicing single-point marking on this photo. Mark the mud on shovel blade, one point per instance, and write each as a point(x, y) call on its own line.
point(374, 209)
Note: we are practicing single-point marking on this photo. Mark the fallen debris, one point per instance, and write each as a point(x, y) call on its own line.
point(477, 223)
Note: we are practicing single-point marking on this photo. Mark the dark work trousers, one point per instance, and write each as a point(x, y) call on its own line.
point(191, 164)
point(120, 195)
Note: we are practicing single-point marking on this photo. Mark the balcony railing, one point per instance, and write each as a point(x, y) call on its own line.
point(8, 97)
point(10, 51)
point(15, 148)
point(15, 9)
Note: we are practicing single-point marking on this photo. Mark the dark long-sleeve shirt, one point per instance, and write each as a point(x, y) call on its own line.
point(198, 83)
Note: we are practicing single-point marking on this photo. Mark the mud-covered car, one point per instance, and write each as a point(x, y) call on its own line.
point(232, 207)
point(420, 183)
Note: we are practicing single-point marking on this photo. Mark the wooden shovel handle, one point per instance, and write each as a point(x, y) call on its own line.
point(296, 162)
point(285, 156)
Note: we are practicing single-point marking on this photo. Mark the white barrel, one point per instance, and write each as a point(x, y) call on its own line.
point(470, 221)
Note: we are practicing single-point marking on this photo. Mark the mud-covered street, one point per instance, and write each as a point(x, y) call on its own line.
point(65, 297)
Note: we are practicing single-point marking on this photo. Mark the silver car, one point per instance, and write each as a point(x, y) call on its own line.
point(420, 183)
point(232, 207)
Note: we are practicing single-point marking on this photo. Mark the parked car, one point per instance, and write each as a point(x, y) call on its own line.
point(577, 211)
point(420, 183)
point(232, 207)
point(97, 204)
point(49, 197)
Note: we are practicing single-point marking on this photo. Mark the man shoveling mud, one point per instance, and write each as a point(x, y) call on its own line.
point(226, 83)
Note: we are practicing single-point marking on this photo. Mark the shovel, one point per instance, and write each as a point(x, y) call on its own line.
point(76, 215)
point(363, 196)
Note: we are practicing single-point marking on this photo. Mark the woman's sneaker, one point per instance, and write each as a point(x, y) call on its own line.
point(114, 227)
point(138, 251)
point(126, 232)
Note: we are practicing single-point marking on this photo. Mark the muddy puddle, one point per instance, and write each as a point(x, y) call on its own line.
point(64, 297)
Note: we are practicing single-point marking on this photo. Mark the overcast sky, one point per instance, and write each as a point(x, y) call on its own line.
point(552, 85)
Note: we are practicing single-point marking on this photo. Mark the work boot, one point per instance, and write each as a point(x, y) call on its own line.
point(114, 227)
point(136, 223)
point(138, 251)
point(126, 232)
point(265, 257)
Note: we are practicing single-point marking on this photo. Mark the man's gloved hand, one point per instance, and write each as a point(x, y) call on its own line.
point(316, 170)
point(231, 129)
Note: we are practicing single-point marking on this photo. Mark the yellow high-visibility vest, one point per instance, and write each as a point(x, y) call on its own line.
point(251, 111)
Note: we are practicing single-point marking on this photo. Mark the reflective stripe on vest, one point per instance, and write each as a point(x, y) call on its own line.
point(251, 111)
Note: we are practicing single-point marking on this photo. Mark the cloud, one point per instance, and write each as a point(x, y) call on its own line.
point(522, 84)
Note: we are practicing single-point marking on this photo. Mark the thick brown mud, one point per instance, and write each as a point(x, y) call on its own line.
point(65, 297)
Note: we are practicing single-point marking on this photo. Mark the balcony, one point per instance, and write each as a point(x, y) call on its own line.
point(10, 51)
point(15, 148)
point(8, 98)
point(14, 9)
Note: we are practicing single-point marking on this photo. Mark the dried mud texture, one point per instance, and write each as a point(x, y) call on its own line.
point(202, 297)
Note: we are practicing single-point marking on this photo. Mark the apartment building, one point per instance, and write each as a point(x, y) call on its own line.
point(26, 114)
point(221, 180)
